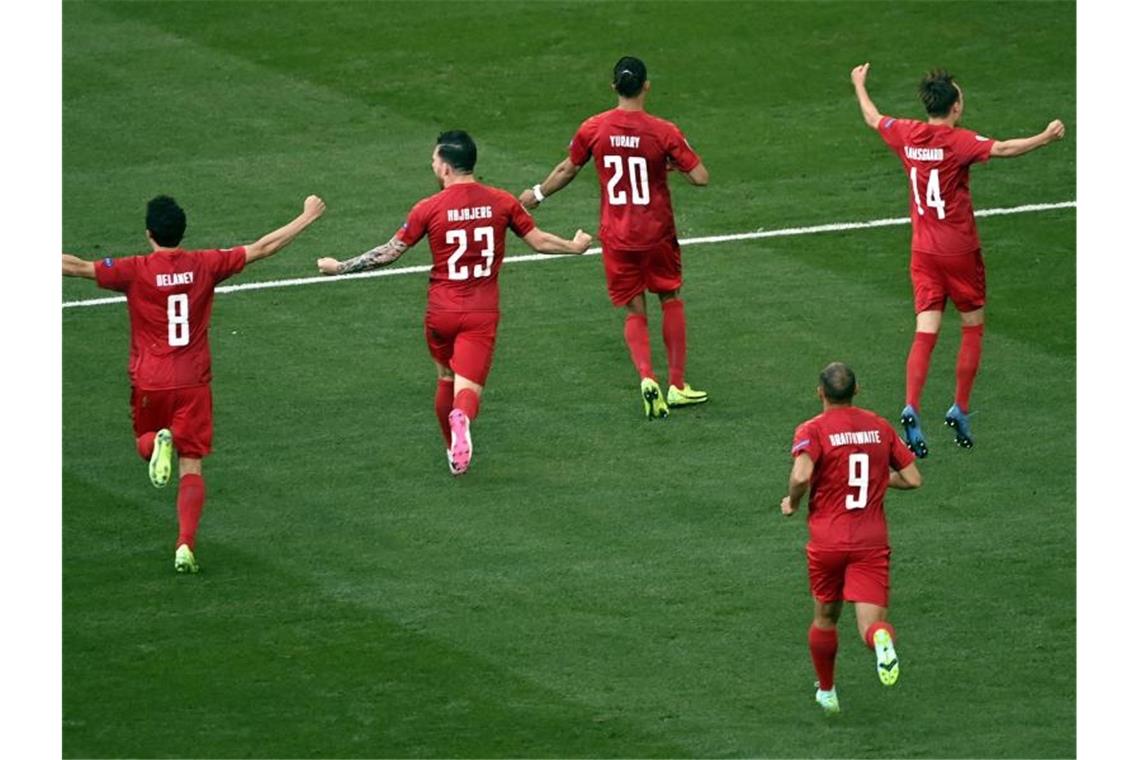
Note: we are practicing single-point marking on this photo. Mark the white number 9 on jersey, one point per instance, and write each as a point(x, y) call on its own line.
point(858, 477)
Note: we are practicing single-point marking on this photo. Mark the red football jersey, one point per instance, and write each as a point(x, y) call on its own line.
point(630, 150)
point(937, 160)
point(854, 451)
point(169, 298)
point(466, 225)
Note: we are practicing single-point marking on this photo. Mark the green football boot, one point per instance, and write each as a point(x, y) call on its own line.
point(161, 458)
point(652, 400)
point(184, 561)
point(828, 700)
point(685, 396)
point(887, 659)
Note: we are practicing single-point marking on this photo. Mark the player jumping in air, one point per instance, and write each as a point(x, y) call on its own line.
point(466, 224)
point(633, 153)
point(170, 293)
point(946, 256)
point(848, 457)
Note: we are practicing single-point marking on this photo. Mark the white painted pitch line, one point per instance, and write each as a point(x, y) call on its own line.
point(785, 232)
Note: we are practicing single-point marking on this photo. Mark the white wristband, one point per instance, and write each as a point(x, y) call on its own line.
point(537, 190)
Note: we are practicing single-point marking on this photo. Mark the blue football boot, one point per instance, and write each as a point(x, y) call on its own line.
point(959, 421)
point(912, 433)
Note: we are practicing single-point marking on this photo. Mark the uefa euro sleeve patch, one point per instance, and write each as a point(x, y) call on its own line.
point(108, 262)
point(888, 123)
point(801, 445)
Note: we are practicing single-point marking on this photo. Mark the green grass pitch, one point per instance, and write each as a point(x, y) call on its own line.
point(596, 585)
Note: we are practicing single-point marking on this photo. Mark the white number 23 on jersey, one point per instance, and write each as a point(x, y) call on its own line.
point(458, 238)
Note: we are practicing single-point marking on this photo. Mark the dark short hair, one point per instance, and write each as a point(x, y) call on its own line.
point(937, 92)
point(165, 220)
point(838, 382)
point(457, 150)
point(629, 76)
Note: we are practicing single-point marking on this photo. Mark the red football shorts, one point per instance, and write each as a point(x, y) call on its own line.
point(961, 277)
point(856, 575)
point(631, 273)
point(463, 340)
point(187, 412)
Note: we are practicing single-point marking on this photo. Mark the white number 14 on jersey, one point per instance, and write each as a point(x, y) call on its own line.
point(933, 193)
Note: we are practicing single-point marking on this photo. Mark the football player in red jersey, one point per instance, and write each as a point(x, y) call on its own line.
point(170, 293)
point(847, 457)
point(946, 256)
point(466, 225)
point(633, 153)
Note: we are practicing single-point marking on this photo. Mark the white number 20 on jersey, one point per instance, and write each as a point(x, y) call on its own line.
point(458, 238)
point(638, 180)
point(178, 319)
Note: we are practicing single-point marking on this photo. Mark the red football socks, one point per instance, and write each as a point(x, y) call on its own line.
point(673, 330)
point(824, 643)
point(637, 338)
point(969, 357)
point(870, 639)
point(444, 394)
point(917, 365)
point(191, 497)
point(468, 401)
point(145, 442)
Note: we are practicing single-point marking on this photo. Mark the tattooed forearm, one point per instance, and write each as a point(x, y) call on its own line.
point(380, 256)
point(361, 263)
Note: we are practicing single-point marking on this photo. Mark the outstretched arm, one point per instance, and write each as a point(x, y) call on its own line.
point(1013, 148)
point(545, 242)
point(74, 266)
point(380, 256)
point(798, 483)
point(279, 238)
point(560, 177)
point(871, 114)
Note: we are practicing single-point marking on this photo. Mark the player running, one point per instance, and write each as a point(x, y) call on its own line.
point(946, 255)
point(170, 293)
point(633, 152)
point(466, 224)
point(848, 457)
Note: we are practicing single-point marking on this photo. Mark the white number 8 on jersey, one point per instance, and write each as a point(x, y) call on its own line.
point(178, 319)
